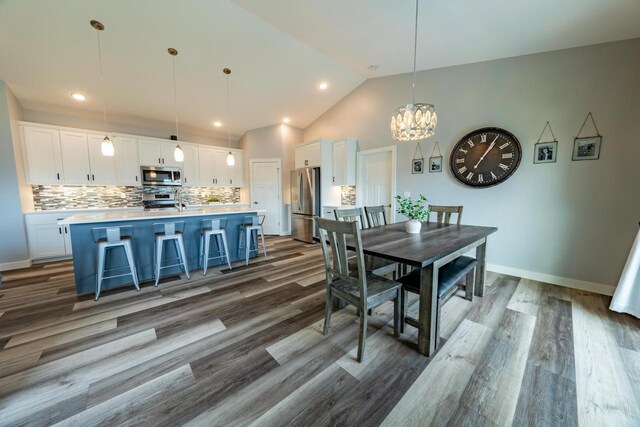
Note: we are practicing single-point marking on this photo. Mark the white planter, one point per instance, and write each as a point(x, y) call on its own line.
point(413, 226)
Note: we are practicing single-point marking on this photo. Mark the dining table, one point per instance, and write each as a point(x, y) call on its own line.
point(434, 246)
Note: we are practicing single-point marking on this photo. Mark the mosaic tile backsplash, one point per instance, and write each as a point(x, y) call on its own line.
point(348, 195)
point(51, 197)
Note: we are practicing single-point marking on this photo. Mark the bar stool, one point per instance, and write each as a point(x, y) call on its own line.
point(169, 231)
point(249, 229)
point(213, 228)
point(109, 238)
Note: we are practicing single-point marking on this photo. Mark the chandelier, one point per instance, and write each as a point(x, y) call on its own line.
point(414, 121)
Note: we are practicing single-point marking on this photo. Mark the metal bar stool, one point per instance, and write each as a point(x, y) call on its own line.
point(109, 238)
point(250, 228)
point(169, 231)
point(213, 228)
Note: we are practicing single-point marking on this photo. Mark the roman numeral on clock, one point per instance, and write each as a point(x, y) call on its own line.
point(507, 156)
point(493, 176)
point(503, 166)
point(480, 178)
point(459, 160)
point(483, 137)
point(505, 145)
point(470, 175)
point(464, 151)
point(470, 142)
point(462, 169)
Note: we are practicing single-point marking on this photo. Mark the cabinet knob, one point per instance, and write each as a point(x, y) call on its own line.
point(58, 175)
point(88, 179)
point(93, 177)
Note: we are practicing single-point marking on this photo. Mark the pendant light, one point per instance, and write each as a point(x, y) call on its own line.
point(178, 154)
point(106, 147)
point(414, 121)
point(230, 159)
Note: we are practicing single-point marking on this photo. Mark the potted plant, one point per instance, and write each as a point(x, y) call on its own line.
point(414, 210)
point(214, 201)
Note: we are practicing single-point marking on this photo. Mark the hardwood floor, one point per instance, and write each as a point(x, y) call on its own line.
point(244, 347)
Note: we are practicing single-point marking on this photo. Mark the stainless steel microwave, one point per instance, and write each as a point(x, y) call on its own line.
point(161, 176)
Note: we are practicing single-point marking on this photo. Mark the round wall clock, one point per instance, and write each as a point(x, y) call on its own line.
point(485, 157)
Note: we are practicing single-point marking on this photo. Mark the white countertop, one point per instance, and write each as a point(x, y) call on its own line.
point(134, 209)
point(88, 218)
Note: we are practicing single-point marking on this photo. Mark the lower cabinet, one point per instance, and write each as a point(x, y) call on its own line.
point(46, 238)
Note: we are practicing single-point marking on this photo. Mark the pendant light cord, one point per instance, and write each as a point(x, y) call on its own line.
point(415, 48)
point(228, 114)
point(104, 101)
point(175, 96)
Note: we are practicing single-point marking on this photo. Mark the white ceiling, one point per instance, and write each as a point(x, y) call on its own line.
point(279, 50)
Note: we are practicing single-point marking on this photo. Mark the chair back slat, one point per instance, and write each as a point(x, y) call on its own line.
point(335, 254)
point(376, 216)
point(212, 224)
point(352, 214)
point(444, 213)
point(111, 234)
point(252, 220)
point(168, 228)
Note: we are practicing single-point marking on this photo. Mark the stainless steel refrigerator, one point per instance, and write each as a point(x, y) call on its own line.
point(305, 202)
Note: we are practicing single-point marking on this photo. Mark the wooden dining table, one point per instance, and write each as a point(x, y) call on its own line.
point(435, 246)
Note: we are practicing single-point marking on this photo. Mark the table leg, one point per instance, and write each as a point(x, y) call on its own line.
point(481, 272)
point(428, 311)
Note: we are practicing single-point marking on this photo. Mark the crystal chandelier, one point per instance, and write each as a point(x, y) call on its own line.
point(106, 147)
point(230, 159)
point(414, 121)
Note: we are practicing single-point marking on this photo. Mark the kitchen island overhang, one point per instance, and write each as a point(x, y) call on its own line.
point(85, 249)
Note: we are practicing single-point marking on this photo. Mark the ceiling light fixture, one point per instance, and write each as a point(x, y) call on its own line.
point(78, 96)
point(286, 120)
point(413, 121)
point(323, 85)
point(178, 154)
point(106, 147)
point(217, 124)
point(230, 159)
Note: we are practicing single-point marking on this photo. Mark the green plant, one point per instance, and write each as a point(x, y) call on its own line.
point(214, 200)
point(413, 209)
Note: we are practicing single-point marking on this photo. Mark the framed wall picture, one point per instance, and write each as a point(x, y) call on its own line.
point(435, 164)
point(417, 166)
point(546, 152)
point(587, 148)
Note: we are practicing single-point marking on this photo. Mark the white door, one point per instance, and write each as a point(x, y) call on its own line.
point(190, 166)
point(127, 158)
point(103, 168)
point(43, 155)
point(150, 153)
point(205, 167)
point(376, 179)
point(75, 158)
point(265, 193)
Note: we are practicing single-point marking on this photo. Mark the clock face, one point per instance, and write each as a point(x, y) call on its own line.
point(485, 157)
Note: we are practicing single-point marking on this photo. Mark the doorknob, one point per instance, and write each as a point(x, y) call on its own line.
point(389, 205)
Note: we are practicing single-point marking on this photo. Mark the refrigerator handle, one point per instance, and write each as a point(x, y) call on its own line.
point(299, 191)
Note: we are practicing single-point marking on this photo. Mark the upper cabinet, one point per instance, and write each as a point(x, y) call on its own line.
point(127, 160)
point(189, 166)
point(344, 161)
point(308, 155)
point(103, 168)
point(236, 172)
point(43, 157)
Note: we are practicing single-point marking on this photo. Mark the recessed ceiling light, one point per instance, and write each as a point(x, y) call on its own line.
point(323, 85)
point(78, 96)
point(286, 120)
point(373, 67)
point(217, 124)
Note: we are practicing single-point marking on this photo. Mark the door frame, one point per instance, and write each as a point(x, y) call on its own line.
point(360, 178)
point(251, 191)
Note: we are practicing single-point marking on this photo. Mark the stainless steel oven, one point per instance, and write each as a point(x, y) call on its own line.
point(161, 176)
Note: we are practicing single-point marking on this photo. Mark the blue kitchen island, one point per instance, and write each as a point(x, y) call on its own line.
point(85, 249)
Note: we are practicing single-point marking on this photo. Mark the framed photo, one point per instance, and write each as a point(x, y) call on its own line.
point(587, 148)
point(435, 164)
point(545, 152)
point(417, 166)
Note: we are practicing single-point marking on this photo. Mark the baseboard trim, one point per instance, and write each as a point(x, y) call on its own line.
point(598, 288)
point(15, 265)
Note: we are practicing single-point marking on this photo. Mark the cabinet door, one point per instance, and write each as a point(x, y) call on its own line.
point(150, 153)
point(66, 233)
point(128, 165)
point(75, 158)
point(220, 168)
point(44, 160)
point(46, 241)
point(189, 166)
point(313, 154)
point(168, 157)
point(103, 168)
point(301, 157)
point(338, 163)
point(236, 172)
point(205, 166)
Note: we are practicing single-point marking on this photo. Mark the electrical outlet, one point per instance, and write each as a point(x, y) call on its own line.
point(407, 194)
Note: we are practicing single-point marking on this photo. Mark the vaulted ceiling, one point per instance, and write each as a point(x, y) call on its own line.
point(278, 50)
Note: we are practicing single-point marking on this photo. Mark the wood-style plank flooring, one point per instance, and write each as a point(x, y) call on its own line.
point(244, 347)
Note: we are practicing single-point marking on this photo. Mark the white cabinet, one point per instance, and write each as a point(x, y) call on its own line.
point(75, 158)
point(128, 165)
point(46, 238)
point(167, 149)
point(236, 172)
point(189, 166)
point(307, 155)
point(103, 168)
point(220, 168)
point(344, 162)
point(205, 166)
point(150, 152)
point(43, 158)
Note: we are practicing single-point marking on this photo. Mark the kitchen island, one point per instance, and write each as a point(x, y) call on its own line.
point(85, 249)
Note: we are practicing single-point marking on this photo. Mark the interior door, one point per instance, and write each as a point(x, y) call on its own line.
point(376, 180)
point(265, 193)
point(75, 158)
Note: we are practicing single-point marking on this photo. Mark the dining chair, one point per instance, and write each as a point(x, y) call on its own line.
point(376, 215)
point(359, 288)
point(376, 265)
point(450, 275)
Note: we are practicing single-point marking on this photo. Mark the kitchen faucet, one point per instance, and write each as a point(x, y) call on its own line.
point(178, 199)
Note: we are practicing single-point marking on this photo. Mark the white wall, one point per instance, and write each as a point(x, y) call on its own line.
point(14, 251)
point(570, 219)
